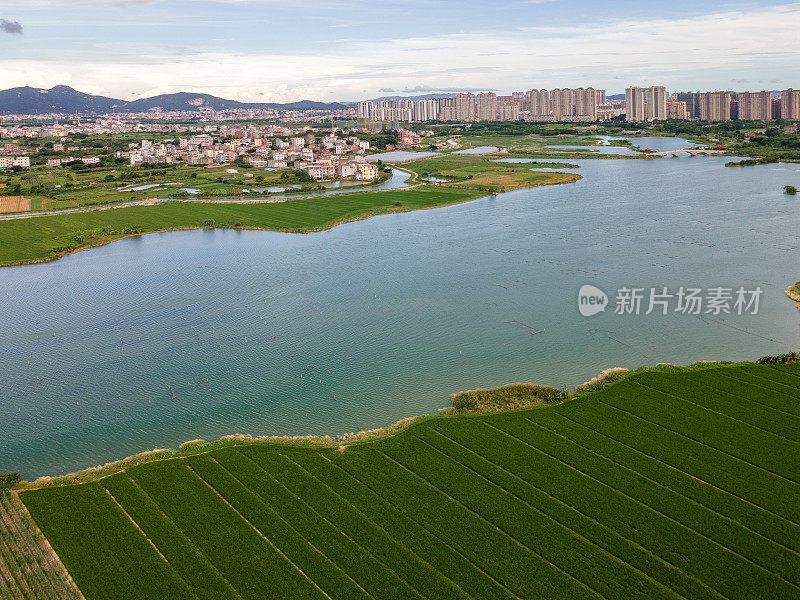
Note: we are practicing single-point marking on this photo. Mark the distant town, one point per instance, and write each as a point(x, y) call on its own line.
point(310, 141)
point(588, 105)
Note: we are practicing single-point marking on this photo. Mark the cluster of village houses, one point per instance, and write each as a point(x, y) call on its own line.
point(270, 147)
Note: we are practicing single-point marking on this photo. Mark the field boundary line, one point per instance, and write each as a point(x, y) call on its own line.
point(759, 385)
point(681, 494)
point(716, 412)
point(339, 529)
point(293, 528)
point(433, 534)
point(712, 447)
point(764, 387)
point(774, 369)
point(497, 527)
point(386, 533)
point(577, 534)
point(779, 370)
point(184, 536)
point(706, 386)
point(164, 558)
point(695, 477)
point(655, 510)
point(687, 498)
point(266, 539)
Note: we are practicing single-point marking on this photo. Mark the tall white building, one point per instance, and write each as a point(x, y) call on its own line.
point(656, 103)
point(634, 104)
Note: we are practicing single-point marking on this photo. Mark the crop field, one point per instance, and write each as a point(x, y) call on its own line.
point(670, 484)
point(29, 569)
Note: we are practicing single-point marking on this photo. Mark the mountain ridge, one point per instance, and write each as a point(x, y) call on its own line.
point(63, 99)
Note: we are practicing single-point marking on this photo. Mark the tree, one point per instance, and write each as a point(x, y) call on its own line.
point(791, 190)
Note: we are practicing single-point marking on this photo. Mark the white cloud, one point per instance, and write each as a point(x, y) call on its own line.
point(706, 51)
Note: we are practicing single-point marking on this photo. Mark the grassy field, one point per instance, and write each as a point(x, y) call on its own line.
point(29, 569)
point(58, 188)
point(482, 173)
point(668, 484)
point(49, 237)
point(44, 238)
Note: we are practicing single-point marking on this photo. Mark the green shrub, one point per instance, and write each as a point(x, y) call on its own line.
point(780, 359)
point(209, 224)
point(515, 395)
point(791, 190)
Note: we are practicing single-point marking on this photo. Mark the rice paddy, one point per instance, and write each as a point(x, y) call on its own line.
point(667, 484)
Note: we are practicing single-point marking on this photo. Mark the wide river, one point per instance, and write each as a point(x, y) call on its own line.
point(151, 341)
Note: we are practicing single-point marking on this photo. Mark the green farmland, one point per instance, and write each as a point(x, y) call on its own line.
point(669, 484)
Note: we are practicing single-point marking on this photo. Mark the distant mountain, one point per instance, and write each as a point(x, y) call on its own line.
point(64, 99)
point(616, 97)
point(28, 100)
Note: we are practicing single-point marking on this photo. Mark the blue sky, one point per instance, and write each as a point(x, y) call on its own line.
point(277, 50)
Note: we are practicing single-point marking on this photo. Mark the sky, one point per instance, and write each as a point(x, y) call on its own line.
point(346, 50)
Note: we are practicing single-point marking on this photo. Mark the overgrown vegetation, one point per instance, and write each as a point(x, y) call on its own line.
point(780, 359)
point(515, 395)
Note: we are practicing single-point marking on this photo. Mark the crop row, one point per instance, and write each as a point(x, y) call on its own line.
point(684, 534)
point(705, 392)
point(105, 554)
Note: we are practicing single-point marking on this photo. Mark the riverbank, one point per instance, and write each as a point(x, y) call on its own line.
point(502, 399)
point(48, 238)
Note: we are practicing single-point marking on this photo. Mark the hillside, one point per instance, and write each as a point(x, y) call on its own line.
point(65, 100)
point(670, 484)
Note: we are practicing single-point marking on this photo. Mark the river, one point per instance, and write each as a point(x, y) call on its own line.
point(154, 340)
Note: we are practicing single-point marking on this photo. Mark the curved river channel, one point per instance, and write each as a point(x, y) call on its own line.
point(151, 341)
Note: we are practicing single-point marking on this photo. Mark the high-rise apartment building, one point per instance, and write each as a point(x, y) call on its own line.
point(715, 106)
point(509, 107)
point(447, 109)
point(539, 102)
point(487, 106)
point(790, 105)
point(585, 104)
point(656, 103)
point(635, 104)
point(465, 107)
point(561, 103)
point(692, 100)
point(366, 110)
point(676, 109)
point(755, 106)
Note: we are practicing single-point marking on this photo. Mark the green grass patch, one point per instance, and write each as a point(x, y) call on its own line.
point(49, 237)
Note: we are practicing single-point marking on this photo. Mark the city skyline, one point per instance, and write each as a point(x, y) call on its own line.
point(261, 51)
